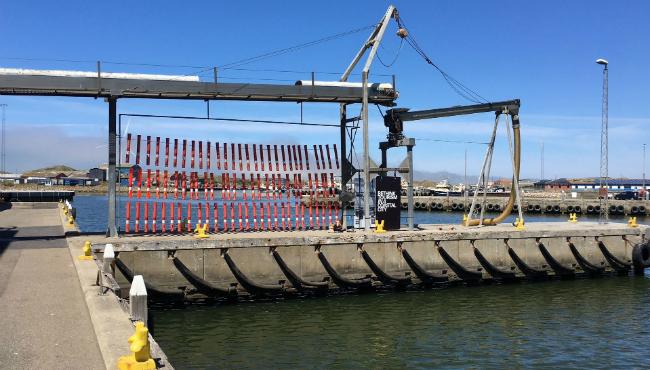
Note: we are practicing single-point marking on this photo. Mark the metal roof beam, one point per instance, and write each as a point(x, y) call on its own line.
point(186, 90)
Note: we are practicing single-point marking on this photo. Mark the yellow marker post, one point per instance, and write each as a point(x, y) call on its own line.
point(140, 358)
point(573, 217)
point(379, 227)
point(632, 222)
point(519, 224)
point(200, 231)
point(87, 252)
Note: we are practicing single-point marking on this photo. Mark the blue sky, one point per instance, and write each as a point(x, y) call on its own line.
point(540, 52)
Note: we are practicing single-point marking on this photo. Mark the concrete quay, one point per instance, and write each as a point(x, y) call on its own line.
point(51, 310)
point(259, 263)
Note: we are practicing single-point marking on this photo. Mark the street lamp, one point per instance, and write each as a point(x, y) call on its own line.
point(604, 188)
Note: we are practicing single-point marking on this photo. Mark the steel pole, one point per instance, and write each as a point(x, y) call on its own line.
point(409, 189)
point(343, 156)
point(112, 156)
point(366, 154)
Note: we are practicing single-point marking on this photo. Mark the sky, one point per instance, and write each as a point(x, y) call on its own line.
point(540, 52)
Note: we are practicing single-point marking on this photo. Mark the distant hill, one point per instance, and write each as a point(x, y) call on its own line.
point(452, 178)
point(49, 170)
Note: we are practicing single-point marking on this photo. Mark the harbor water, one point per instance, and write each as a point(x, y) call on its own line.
point(582, 323)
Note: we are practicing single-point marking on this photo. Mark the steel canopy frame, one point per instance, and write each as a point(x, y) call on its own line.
point(112, 89)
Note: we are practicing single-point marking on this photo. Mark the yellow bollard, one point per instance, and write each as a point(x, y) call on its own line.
point(573, 217)
point(200, 231)
point(87, 252)
point(632, 222)
point(519, 224)
point(140, 359)
point(379, 227)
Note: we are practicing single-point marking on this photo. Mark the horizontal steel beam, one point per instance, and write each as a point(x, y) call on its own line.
point(511, 105)
point(187, 90)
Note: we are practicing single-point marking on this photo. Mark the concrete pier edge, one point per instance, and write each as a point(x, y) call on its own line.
point(111, 323)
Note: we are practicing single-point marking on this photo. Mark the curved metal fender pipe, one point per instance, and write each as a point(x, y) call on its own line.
point(245, 282)
point(584, 264)
point(618, 265)
point(462, 272)
point(381, 274)
point(201, 285)
point(422, 274)
point(555, 265)
point(513, 196)
point(494, 271)
point(530, 272)
point(340, 280)
point(294, 279)
point(152, 290)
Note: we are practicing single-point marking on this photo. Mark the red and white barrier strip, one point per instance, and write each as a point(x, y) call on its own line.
point(183, 185)
point(208, 149)
point(268, 155)
point(137, 217)
point(206, 184)
point(131, 182)
point(189, 218)
point(192, 153)
point(137, 149)
point(157, 159)
point(262, 225)
point(148, 157)
point(163, 217)
point(316, 158)
point(157, 178)
point(277, 164)
point(259, 187)
point(225, 156)
point(218, 153)
point(255, 156)
point(165, 184)
point(266, 179)
point(290, 157)
point(302, 216)
point(306, 157)
point(233, 184)
point(172, 217)
point(200, 154)
point(184, 153)
point(247, 226)
point(199, 215)
point(224, 216)
point(243, 187)
point(232, 154)
point(239, 214)
point(154, 215)
point(299, 150)
point(128, 148)
point(336, 157)
point(241, 165)
point(287, 186)
point(179, 216)
point(254, 206)
point(329, 158)
point(211, 186)
point(127, 226)
point(176, 181)
point(275, 216)
point(140, 183)
point(223, 186)
point(248, 162)
point(232, 217)
point(295, 157)
point(283, 217)
point(261, 157)
point(175, 153)
point(215, 221)
point(322, 157)
point(166, 152)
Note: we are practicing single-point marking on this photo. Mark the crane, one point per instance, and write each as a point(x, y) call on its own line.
point(394, 120)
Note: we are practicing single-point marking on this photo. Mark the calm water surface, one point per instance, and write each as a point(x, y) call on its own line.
point(585, 323)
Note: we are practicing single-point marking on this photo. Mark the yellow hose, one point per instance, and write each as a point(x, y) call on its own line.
point(511, 201)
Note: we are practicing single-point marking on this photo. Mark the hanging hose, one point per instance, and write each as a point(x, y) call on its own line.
point(513, 194)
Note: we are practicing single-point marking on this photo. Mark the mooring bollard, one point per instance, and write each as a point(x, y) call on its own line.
point(138, 300)
point(140, 357)
point(87, 252)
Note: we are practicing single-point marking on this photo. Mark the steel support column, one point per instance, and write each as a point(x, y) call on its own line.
point(409, 189)
point(343, 116)
point(112, 159)
point(366, 154)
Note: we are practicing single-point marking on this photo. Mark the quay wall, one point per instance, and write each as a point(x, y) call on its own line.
point(153, 257)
